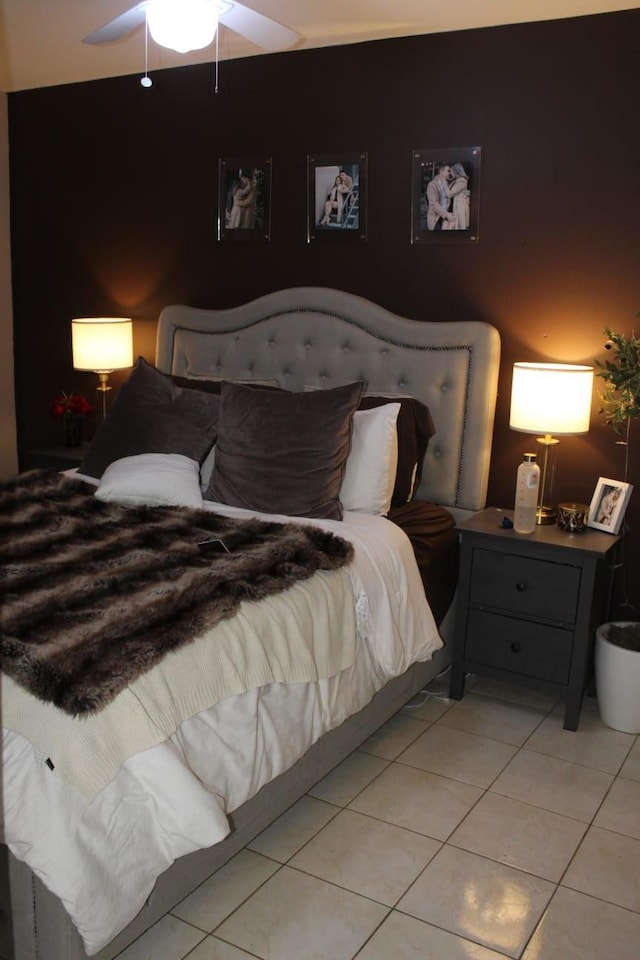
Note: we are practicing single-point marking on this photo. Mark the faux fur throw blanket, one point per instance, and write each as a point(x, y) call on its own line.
point(93, 594)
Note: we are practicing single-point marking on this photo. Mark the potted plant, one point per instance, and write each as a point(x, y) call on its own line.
point(71, 409)
point(617, 652)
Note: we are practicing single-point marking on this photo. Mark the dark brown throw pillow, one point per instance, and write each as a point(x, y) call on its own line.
point(283, 452)
point(214, 384)
point(415, 429)
point(152, 414)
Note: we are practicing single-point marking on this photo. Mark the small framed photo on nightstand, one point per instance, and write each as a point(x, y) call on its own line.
point(608, 505)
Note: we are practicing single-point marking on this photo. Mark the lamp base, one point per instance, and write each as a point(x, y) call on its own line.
point(546, 515)
point(548, 460)
point(103, 390)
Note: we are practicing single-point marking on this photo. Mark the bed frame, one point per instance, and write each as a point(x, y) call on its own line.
point(321, 338)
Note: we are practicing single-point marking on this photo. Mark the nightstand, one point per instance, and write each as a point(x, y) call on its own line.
point(528, 606)
point(57, 458)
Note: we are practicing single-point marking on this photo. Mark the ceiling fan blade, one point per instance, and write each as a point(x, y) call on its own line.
point(261, 30)
point(120, 26)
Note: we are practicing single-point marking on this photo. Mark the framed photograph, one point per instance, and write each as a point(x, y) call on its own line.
point(608, 505)
point(445, 195)
point(337, 196)
point(244, 206)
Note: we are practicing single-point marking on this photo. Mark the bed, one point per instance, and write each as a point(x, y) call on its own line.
point(306, 339)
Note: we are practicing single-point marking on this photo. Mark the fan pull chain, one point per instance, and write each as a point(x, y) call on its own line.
point(215, 89)
point(146, 81)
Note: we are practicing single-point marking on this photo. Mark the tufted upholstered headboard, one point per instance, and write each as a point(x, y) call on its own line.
point(315, 336)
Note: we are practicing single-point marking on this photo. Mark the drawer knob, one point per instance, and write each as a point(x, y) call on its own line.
point(521, 586)
point(515, 648)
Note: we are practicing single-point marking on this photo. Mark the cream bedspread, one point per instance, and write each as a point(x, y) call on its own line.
point(102, 856)
point(250, 650)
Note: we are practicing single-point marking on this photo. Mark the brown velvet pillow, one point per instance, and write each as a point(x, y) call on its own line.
point(151, 414)
point(283, 452)
point(214, 384)
point(415, 429)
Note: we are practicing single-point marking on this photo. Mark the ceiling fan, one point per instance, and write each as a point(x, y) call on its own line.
point(185, 25)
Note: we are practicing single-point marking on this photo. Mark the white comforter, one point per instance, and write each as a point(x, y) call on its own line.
point(101, 855)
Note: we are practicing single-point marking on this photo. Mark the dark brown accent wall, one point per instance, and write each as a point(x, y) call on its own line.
point(113, 202)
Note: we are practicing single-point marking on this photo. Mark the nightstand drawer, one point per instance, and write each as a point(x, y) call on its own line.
point(525, 586)
point(519, 646)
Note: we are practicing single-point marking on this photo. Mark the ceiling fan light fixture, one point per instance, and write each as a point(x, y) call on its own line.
point(182, 25)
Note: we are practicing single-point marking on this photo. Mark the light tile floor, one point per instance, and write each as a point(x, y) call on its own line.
point(476, 830)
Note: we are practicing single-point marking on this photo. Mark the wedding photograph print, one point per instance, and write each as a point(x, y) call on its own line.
point(608, 505)
point(445, 195)
point(337, 194)
point(244, 206)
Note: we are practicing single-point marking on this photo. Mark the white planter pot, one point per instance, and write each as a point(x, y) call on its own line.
point(617, 683)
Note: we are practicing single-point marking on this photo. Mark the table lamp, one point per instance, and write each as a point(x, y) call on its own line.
point(102, 344)
point(548, 398)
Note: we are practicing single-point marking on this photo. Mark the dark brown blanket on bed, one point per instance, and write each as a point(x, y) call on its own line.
point(431, 530)
point(94, 594)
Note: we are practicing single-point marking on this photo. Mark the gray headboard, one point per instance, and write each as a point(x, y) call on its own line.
point(321, 337)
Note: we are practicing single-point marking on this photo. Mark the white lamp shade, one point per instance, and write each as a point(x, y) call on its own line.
point(551, 398)
point(182, 25)
point(102, 344)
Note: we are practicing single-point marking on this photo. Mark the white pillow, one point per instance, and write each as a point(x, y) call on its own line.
point(152, 479)
point(207, 468)
point(370, 473)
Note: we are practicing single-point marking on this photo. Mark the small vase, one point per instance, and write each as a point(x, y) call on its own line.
point(72, 430)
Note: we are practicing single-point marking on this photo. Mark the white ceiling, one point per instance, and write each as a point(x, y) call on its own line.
point(41, 40)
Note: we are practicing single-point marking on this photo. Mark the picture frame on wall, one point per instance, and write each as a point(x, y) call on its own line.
point(445, 197)
point(244, 204)
point(608, 505)
point(337, 197)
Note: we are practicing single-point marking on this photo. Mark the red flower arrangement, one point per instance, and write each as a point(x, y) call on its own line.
point(70, 404)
